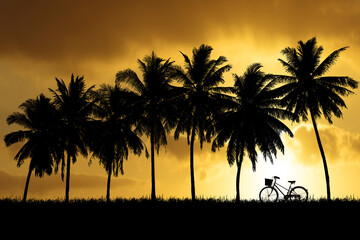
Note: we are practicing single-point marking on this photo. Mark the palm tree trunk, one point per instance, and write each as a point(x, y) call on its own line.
point(67, 187)
point(239, 163)
point(152, 140)
point(108, 186)
point(192, 176)
point(327, 178)
point(27, 183)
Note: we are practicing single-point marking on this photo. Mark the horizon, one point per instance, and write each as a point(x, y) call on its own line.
point(45, 40)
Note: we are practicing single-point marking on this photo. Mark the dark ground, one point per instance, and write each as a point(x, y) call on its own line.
point(183, 218)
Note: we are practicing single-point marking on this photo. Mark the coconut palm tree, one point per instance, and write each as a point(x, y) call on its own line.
point(40, 119)
point(308, 91)
point(252, 121)
point(75, 106)
point(202, 97)
point(156, 104)
point(111, 138)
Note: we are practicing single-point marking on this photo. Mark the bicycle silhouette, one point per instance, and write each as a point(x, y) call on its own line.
point(270, 193)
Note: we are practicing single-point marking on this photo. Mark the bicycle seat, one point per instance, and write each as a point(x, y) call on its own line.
point(292, 182)
point(276, 177)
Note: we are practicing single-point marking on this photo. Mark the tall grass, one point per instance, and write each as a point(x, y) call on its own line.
point(172, 201)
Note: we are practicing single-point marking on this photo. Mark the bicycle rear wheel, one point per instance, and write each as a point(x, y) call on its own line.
point(299, 194)
point(268, 194)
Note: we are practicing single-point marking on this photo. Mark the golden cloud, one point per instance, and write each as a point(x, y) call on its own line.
point(339, 145)
point(81, 185)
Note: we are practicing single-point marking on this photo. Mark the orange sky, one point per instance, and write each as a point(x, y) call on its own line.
point(41, 40)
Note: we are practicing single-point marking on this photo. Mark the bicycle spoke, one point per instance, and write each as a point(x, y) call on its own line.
point(298, 194)
point(268, 194)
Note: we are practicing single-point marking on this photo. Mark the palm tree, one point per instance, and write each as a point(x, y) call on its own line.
point(156, 104)
point(75, 107)
point(111, 138)
point(40, 119)
point(252, 121)
point(202, 97)
point(306, 90)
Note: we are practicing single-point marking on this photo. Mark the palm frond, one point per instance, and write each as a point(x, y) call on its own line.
point(16, 137)
point(292, 57)
point(289, 68)
point(20, 119)
point(338, 90)
point(298, 104)
point(130, 77)
point(215, 78)
point(281, 79)
point(340, 81)
point(23, 153)
point(188, 64)
point(182, 77)
point(327, 63)
point(278, 113)
point(233, 149)
point(62, 89)
point(213, 67)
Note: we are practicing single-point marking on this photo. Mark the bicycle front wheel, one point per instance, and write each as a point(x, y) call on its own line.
point(299, 194)
point(268, 194)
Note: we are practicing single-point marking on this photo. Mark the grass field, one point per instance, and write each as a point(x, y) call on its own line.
point(172, 203)
point(180, 206)
point(179, 216)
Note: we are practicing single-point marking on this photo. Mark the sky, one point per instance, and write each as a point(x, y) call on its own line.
point(41, 40)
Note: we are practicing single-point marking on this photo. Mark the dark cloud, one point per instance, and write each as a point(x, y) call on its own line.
point(53, 30)
point(93, 29)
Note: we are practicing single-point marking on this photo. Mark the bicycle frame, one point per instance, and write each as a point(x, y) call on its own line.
point(277, 186)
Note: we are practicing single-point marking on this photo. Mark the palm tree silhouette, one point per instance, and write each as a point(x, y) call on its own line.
point(252, 122)
point(111, 138)
point(75, 107)
point(202, 97)
point(40, 119)
point(306, 90)
point(156, 104)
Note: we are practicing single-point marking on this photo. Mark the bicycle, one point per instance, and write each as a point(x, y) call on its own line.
point(270, 193)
